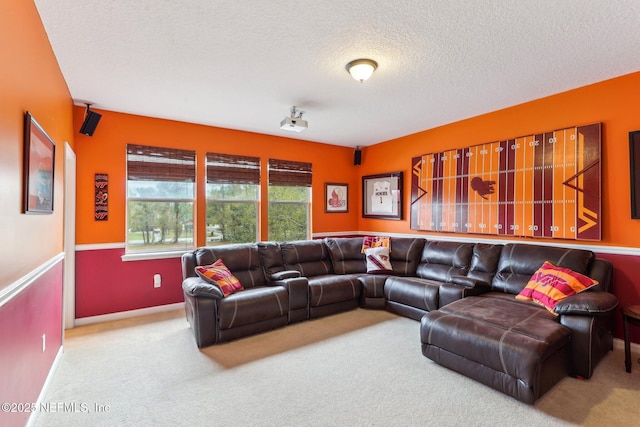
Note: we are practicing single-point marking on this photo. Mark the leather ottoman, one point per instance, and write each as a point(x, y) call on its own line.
point(517, 348)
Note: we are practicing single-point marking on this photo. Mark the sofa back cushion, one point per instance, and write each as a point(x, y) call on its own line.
point(519, 261)
point(241, 259)
point(441, 260)
point(405, 255)
point(346, 254)
point(309, 257)
point(271, 258)
point(188, 262)
point(484, 261)
point(602, 271)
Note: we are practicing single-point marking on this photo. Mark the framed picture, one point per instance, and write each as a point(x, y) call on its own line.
point(382, 196)
point(336, 197)
point(634, 157)
point(39, 160)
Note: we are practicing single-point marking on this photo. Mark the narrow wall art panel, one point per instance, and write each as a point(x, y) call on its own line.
point(102, 197)
point(546, 185)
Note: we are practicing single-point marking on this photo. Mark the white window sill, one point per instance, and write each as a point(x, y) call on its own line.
point(144, 256)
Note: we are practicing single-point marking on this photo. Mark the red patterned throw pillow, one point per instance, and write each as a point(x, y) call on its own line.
point(218, 274)
point(551, 284)
point(375, 242)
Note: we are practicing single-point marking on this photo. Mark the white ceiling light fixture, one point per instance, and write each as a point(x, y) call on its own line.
point(294, 123)
point(361, 69)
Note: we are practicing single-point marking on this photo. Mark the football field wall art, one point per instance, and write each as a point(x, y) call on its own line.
point(545, 185)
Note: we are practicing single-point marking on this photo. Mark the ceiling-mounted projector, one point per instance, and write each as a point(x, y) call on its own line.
point(294, 123)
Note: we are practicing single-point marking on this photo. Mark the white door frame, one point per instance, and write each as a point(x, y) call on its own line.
point(69, 283)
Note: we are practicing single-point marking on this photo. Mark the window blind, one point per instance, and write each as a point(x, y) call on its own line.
point(289, 173)
point(231, 169)
point(145, 163)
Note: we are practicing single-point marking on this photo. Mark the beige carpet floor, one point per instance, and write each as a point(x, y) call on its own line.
point(360, 368)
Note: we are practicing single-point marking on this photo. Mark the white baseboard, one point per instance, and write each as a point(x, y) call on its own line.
point(127, 314)
point(45, 387)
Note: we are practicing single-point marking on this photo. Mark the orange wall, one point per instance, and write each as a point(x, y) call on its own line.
point(30, 81)
point(612, 102)
point(30, 305)
point(105, 152)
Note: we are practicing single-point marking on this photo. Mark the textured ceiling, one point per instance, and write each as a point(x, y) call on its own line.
point(242, 64)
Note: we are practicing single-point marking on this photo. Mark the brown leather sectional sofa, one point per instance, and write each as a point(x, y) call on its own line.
point(463, 294)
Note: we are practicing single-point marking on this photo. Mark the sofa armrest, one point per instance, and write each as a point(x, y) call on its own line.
point(286, 274)
point(469, 282)
point(590, 316)
point(197, 287)
point(298, 289)
point(589, 303)
point(449, 292)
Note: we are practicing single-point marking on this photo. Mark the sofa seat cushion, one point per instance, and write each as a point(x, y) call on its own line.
point(333, 288)
point(412, 291)
point(512, 339)
point(253, 305)
point(373, 285)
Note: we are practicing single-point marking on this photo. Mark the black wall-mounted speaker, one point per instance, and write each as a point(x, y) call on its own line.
point(90, 123)
point(357, 157)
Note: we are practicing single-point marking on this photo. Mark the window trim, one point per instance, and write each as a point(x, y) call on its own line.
point(144, 256)
point(180, 163)
point(240, 170)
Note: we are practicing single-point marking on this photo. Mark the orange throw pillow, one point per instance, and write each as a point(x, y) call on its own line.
point(218, 274)
point(551, 284)
point(375, 242)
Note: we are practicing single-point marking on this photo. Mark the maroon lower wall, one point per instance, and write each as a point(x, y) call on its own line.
point(626, 271)
point(24, 367)
point(106, 284)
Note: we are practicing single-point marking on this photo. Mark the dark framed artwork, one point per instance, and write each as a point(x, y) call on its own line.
point(336, 197)
point(382, 196)
point(39, 161)
point(634, 157)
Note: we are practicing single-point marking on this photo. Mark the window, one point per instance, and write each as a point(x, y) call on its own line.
point(289, 200)
point(160, 198)
point(233, 184)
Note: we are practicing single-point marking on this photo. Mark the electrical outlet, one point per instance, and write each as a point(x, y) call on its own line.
point(44, 342)
point(157, 280)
